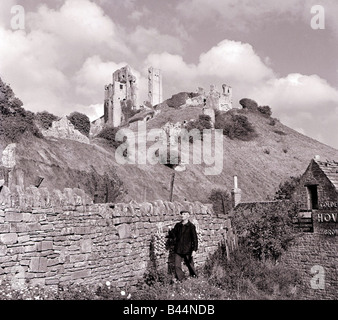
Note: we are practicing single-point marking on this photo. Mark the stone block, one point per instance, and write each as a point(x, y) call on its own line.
point(8, 238)
point(4, 228)
point(38, 264)
point(46, 245)
point(124, 231)
point(18, 227)
point(13, 216)
point(80, 274)
point(77, 257)
point(34, 226)
point(86, 245)
point(3, 250)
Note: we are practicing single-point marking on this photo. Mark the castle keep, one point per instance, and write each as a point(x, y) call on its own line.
point(155, 94)
point(121, 90)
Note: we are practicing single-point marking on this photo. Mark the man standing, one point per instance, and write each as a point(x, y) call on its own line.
point(186, 244)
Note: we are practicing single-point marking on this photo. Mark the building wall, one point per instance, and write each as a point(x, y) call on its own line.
point(314, 256)
point(62, 238)
point(310, 252)
point(315, 176)
point(155, 92)
point(225, 100)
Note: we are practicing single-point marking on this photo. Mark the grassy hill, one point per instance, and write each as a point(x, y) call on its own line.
point(277, 153)
point(261, 164)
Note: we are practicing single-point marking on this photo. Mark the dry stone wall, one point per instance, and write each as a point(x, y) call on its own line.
point(61, 237)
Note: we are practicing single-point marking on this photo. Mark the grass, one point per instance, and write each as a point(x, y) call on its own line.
point(241, 278)
point(146, 182)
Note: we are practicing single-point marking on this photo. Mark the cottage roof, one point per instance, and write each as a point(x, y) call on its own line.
point(330, 169)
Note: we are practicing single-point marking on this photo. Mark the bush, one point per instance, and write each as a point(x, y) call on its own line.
point(15, 120)
point(235, 126)
point(45, 119)
point(248, 104)
point(272, 122)
point(109, 134)
point(81, 122)
point(265, 110)
point(203, 122)
point(180, 99)
point(268, 231)
point(221, 201)
point(245, 277)
point(287, 188)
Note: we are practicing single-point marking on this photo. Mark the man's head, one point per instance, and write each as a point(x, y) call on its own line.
point(185, 215)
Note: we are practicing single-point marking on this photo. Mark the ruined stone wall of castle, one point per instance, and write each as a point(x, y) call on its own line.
point(64, 129)
point(155, 91)
point(61, 237)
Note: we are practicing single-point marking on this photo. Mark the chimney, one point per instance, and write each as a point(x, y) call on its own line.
point(236, 194)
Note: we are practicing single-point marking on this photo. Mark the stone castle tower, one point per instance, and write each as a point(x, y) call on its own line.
point(155, 93)
point(122, 89)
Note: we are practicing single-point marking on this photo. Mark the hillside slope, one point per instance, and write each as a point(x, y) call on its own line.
point(276, 154)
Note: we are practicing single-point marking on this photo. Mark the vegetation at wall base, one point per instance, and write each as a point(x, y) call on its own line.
point(268, 232)
point(245, 277)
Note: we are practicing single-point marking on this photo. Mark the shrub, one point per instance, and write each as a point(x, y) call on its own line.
point(221, 201)
point(235, 126)
point(267, 232)
point(248, 104)
point(245, 277)
point(180, 99)
point(81, 122)
point(203, 122)
point(272, 122)
point(15, 120)
point(109, 134)
point(287, 188)
point(45, 119)
point(265, 110)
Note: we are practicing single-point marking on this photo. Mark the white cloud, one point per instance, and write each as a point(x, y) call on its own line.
point(149, 40)
point(301, 101)
point(234, 60)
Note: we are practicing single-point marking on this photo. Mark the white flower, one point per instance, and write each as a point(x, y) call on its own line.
point(129, 296)
point(107, 283)
point(123, 293)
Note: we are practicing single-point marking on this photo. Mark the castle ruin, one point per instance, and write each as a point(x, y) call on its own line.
point(123, 89)
point(155, 92)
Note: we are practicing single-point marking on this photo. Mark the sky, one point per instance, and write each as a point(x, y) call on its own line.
point(270, 51)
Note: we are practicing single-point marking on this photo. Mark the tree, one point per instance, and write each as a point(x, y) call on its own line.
point(81, 122)
point(221, 201)
point(287, 188)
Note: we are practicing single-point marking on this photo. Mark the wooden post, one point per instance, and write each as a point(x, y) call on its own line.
point(172, 187)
